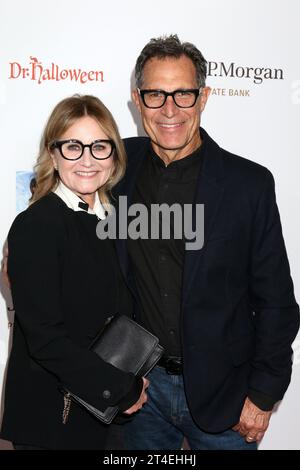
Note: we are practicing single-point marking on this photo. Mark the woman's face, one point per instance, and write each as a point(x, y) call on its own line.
point(86, 175)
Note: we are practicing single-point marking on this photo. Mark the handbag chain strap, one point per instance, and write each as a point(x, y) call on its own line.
point(67, 405)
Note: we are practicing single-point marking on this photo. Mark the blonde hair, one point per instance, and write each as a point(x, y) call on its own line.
point(65, 113)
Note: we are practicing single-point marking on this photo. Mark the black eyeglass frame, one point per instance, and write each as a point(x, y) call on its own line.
point(195, 91)
point(59, 143)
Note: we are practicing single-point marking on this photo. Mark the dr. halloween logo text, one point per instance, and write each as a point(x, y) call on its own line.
point(36, 71)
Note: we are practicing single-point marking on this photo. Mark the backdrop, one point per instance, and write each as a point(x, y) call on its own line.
point(50, 50)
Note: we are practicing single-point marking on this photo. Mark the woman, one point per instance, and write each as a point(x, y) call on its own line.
point(65, 283)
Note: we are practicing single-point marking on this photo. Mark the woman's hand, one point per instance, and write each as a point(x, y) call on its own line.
point(4, 267)
point(142, 399)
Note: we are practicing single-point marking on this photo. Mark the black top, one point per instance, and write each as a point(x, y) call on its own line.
point(158, 264)
point(65, 283)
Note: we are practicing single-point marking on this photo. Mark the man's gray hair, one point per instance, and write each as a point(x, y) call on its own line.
point(171, 46)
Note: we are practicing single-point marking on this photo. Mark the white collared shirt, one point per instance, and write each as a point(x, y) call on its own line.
point(73, 201)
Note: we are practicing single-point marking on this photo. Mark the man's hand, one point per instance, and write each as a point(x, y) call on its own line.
point(4, 267)
point(142, 399)
point(253, 422)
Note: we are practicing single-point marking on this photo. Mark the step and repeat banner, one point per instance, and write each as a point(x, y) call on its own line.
point(50, 50)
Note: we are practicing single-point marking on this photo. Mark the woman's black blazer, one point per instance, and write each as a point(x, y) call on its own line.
point(65, 283)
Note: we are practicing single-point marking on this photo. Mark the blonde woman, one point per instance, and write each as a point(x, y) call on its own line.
point(65, 283)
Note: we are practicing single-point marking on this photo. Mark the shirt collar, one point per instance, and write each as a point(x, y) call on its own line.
point(187, 161)
point(75, 203)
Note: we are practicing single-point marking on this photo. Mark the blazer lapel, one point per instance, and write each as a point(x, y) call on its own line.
point(126, 188)
point(209, 192)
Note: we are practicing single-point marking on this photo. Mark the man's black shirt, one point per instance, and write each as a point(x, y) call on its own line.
point(158, 264)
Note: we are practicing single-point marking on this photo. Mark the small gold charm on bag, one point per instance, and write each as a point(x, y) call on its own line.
point(66, 410)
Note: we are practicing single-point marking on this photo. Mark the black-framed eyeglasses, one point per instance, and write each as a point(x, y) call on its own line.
point(183, 98)
point(72, 149)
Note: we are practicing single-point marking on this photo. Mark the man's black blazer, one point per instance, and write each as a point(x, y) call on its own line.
point(64, 286)
point(239, 314)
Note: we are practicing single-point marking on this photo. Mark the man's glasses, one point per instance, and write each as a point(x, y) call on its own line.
point(182, 98)
point(73, 149)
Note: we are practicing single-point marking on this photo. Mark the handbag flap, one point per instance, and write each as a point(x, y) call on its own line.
point(125, 344)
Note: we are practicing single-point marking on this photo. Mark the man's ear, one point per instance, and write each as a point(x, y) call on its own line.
point(136, 99)
point(205, 92)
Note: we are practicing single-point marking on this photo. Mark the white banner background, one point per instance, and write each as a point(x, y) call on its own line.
point(107, 37)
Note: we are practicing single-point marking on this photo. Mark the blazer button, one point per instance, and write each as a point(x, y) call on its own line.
point(106, 394)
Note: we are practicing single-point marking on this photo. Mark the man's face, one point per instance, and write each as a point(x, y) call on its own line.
point(174, 131)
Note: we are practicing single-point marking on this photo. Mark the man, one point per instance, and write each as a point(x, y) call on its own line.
point(225, 314)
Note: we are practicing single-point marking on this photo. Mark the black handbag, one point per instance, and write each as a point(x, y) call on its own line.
point(128, 346)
